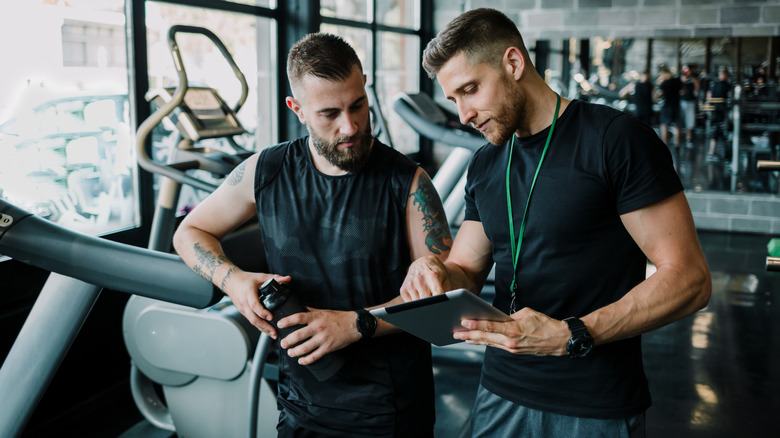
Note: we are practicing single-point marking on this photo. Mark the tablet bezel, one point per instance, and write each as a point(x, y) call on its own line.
point(436, 318)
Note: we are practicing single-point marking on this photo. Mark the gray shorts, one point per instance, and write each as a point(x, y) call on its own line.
point(688, 108)
point(496, 417)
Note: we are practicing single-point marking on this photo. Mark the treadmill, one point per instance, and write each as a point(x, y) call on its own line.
point(204, 377)
point(185, 339)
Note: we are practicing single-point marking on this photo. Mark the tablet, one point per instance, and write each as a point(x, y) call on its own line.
point(435, 318)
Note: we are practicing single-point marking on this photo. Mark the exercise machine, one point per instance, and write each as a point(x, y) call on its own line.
point(199, 359)
point(772, 260)
point(81, 266)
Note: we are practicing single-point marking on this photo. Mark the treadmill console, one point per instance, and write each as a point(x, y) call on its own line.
point(425, 107)
point(202, 114)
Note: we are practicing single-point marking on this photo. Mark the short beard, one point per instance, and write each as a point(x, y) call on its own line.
point(509, 114)
point(350, 160)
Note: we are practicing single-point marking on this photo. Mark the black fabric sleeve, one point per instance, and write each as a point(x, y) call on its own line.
point(474, 171)
point(639, 165)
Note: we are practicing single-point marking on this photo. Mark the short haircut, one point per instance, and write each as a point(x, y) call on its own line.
point(482, 35)
point(322, 55)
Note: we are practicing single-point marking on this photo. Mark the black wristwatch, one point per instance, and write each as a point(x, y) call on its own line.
point(366, 323)
point(581, 342)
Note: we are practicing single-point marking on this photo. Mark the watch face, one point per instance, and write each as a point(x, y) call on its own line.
point(366, 324)
point(579, 346)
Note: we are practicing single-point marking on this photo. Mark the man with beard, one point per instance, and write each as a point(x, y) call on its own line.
point(342, 216)
point(567, 202)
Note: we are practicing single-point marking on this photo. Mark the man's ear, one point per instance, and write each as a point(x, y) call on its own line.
point(514, 62)
point(296, 107)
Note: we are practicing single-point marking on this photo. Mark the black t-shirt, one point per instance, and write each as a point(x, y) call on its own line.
point(643, 98)
point(670, 90)
point(688, 90)
point(720, 90)
point(343, 241)
point(576, 255)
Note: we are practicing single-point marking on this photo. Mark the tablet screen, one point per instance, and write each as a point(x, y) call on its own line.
point(435, 318)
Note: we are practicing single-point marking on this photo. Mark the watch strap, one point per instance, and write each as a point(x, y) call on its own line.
point(581, 341)
point(366, 323)
point(576, 326)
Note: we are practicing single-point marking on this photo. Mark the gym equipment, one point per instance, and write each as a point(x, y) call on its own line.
point(82, 265)
point(200, 358)
point(163, 312)
point(432, 120)
point(378, 121)
point(773, 247)
point(198, 113)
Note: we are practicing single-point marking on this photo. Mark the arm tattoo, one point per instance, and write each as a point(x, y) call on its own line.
point(208, 263)
point(227, 276)
point(429, 203)
point(237, 174)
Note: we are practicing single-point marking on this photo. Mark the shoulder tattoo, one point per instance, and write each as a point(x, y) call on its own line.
point(237, 174)
point(434, 221)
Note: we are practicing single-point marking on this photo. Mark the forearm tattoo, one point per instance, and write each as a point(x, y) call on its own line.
point(208, 262)
point(237, 174)
point(434, 222)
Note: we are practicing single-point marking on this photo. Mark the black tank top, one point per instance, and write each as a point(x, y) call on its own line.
point(343, 241)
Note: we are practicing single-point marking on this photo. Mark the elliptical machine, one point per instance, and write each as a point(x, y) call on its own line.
point(202, 360)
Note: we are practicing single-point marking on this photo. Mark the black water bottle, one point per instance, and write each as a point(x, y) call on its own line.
point(281, 302)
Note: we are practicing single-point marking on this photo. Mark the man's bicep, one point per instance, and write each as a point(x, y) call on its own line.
point(665, 231)
point(427, 228)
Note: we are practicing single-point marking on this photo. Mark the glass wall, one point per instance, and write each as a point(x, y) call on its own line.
point(384, 35)
point(711, 153)
point(65, 138)
point(250, 40)
point(67, 129)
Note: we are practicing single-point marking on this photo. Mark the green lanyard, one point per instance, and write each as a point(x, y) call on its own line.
point(516, 246)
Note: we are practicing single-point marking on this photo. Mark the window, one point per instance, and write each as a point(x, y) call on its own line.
point(251, 42)
point(385, 35)
point(65, 138)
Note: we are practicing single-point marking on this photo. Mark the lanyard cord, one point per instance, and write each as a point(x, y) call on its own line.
point(516, 246)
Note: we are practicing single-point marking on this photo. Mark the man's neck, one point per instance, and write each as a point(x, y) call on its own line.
point(539, 110)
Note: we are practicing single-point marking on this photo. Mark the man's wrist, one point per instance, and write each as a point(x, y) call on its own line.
point(365, 323)
point(581, 343)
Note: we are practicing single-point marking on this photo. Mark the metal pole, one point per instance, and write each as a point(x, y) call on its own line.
point(735, 139)
point(54, 321)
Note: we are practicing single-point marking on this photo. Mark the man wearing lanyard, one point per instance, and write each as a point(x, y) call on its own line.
point(569, 200)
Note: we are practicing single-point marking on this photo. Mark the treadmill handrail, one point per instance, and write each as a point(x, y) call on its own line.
point(116, 266)
point(433, 130)
point(146, 127)
point(183, 28)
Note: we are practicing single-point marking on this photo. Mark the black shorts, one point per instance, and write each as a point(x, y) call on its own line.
point(670, 115)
